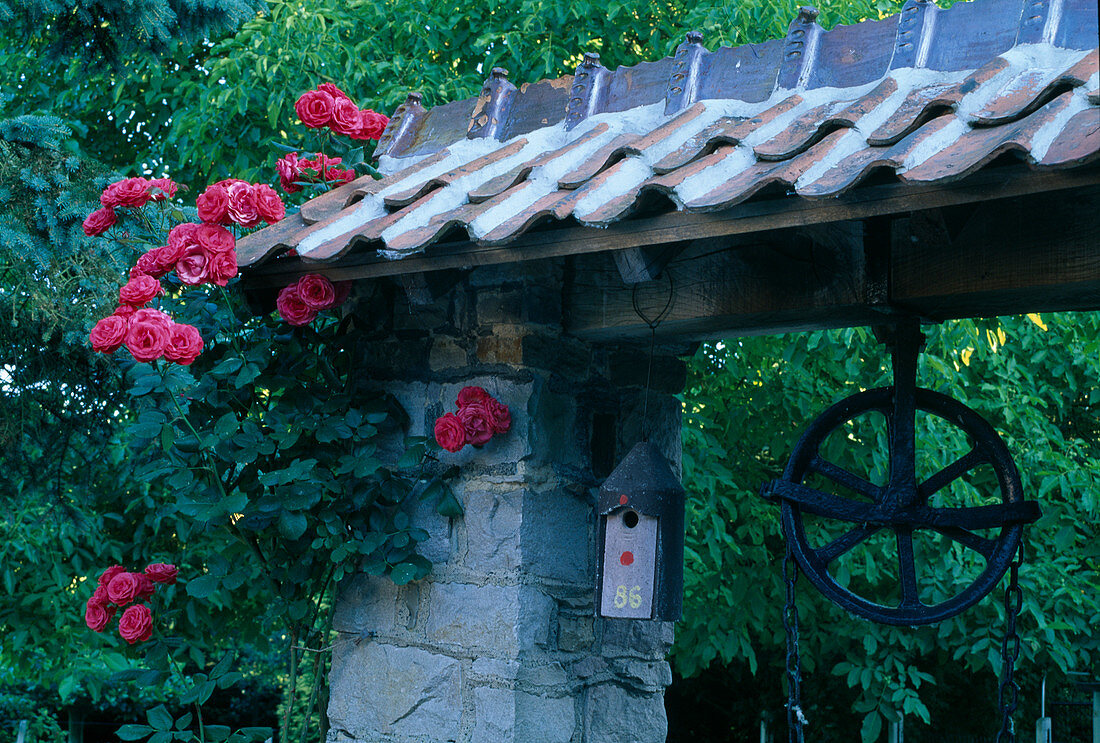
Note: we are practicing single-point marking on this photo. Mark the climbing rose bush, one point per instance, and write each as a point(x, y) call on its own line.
point(480, 416)
point(300, 303)
point(118, 588)
point(197, 254)
point(330, 107)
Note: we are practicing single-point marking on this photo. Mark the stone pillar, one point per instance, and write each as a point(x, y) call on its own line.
point(500, 644)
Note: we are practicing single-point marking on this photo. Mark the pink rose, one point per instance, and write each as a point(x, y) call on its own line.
point(162, 189)
point(500, 418)
point(99, 595)
point(287, 168)
point(332, 90)
point(316, 292)
point(150, 315)
point(160, 572)
point(145, 586)
point(125, 311)
point(124, 588)
point(214, 238)
point(131, 192)
point(183, 235)
point(139, 291)
point(97, 615)
point(450, 433)
point(184, 346)
point(476, 421)
point(109, 573)
point(108, 334)
point(136, 624)
point(191, 267)
point(148, 264)
point(213, 204)
point(292, 308)
point(242, 205)
point(469, 395)
point(345, 117)
point(221, 267)
point(146, 341)
point(158, 261)
point(315, 108)
point(371, 125)
point(99, 221)
point(268, 203)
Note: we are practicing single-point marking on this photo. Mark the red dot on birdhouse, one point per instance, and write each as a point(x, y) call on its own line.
point(623, 499)
point(627, 558)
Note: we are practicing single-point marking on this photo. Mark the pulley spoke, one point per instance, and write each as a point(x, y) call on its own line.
point(950, 473)
point(845, 478)
point(844, 542)
point(907, 568)
point(981, 545)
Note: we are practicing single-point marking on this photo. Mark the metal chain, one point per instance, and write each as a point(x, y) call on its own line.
point(795, 717)
point(1009, 693)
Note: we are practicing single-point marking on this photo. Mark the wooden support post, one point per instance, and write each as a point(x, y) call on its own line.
point(897, 731)
point(76, 726)
point(21, 735)
point(1096, 716)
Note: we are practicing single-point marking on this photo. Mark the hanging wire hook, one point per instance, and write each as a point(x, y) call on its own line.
point(652, 323)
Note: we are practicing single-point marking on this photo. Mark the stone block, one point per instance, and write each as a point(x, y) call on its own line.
point(503, 346)
point(493, 521)
point(447, 354)
point(494, 715)
point(576, 634)
point(367, 604)
point(615, 715)
point(568, 357)
point(493, 620)
point(439, 546)
point(499, 306)
point(557, 533)
point(548, 675)
point(379, 689)
point(544, 719)
point(637, 638)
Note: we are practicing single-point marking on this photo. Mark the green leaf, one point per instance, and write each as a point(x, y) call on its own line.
point(133, 732)
point(292, 525)
point(159, 717)
point(184, 721)
point(217, 733)
point(403, 573)
point(202, 587)
point(871, 728)
point(448, 505)
point(67, 687)
point(222, 666)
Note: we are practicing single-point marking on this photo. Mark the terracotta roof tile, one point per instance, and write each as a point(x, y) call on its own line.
point(929, 95)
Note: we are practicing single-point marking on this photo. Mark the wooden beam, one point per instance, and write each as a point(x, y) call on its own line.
point(731, 286)
point(750, 217)
point(1035, 254)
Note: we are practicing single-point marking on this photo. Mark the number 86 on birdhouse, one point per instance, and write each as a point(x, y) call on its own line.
point(641, 557)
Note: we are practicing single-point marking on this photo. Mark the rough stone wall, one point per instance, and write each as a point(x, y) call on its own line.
point(500, 643)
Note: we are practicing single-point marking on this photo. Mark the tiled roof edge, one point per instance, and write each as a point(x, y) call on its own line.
point(921, 36)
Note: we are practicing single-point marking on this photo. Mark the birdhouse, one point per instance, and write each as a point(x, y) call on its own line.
point(641, 512)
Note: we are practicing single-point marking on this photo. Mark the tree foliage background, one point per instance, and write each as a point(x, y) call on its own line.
point(201, 91)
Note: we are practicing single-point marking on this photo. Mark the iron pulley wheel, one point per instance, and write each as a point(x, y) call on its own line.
point(902, 505)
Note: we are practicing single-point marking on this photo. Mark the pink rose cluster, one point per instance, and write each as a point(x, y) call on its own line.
point(294, 170)
point(300, 303)
point(118, 588)
point(234, 201)
point(199, 254)
point(328, 106)
point(480, 417)
point(129, 193)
